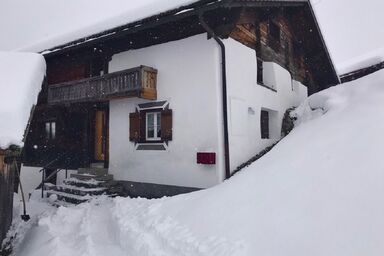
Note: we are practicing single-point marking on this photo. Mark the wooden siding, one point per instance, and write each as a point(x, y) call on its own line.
point(279, 48)
point(136, 82)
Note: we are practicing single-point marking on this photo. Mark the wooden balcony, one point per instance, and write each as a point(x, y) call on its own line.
point(136, 82)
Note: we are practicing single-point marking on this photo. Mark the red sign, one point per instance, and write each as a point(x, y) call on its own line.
point(206, 158)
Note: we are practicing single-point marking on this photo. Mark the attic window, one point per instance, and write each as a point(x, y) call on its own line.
point(274, 36)
point(274, 31)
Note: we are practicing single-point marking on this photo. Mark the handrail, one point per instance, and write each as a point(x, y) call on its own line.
point(45, 179)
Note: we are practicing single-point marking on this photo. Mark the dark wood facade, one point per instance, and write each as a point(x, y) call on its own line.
point(78, 83)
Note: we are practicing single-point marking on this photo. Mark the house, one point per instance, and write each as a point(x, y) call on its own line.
point(176, 101)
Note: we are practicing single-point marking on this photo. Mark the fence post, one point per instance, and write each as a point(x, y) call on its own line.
point(6, 195)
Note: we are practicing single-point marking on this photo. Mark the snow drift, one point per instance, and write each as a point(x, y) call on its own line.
point(318, 192)
point(21, 77)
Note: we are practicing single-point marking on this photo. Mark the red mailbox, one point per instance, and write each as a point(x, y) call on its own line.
point(206, 158)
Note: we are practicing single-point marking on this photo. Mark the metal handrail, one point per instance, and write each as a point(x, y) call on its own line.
point(45, 179)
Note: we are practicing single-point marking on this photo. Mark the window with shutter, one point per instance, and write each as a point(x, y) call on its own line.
point(264, 124)
point(151, 126)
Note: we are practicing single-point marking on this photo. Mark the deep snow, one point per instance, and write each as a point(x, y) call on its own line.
point(319, 192)
point(21, 77)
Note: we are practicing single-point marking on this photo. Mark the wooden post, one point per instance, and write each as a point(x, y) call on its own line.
point(2, 158)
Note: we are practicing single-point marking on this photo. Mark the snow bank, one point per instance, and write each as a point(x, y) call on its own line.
point(319, 192)
point(21, 76)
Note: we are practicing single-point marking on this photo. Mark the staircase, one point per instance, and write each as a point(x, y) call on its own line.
point(82, 186)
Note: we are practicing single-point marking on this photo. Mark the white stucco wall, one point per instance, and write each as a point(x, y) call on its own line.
point(30, 178)
point(246, 100)
point(189, 79)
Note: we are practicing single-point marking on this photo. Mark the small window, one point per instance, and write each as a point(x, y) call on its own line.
point(264, 124)
point(50, 130)
point(274, 37)
point(153, 126)
point(260, 72)
point(274, 31)
point(150, 126)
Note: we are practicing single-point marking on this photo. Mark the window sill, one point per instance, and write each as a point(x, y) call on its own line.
point(152, 146)
point(267, 87)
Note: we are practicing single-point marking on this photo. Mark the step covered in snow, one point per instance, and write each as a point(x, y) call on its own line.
point(84, 176)
point(81, 191)
point(91, 183)
point(93, 171)
point(68, 198)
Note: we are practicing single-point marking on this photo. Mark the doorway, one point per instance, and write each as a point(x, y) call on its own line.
point(101, 136)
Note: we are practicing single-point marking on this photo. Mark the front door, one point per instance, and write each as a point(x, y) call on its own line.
point(101, 136)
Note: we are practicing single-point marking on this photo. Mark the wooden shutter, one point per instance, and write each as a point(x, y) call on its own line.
point(143, 126)
point(134, 127)
point(264, 124)
point(166, 125)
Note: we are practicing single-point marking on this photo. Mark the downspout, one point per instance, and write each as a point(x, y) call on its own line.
point(224, 92)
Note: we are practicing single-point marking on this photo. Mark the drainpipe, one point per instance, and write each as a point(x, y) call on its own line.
point(224, 91)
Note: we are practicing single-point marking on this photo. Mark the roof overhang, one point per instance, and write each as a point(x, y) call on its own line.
point(181, 16)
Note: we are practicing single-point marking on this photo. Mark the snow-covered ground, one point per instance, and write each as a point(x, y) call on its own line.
point(21, 77)
point(319, 192)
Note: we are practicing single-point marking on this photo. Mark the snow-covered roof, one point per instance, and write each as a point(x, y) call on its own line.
point(21, 76)
point(363, 61)
point(120, 15)
point(117, 15)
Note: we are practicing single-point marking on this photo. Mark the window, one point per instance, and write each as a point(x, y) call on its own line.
point(274, 31)
point(50, 130)
point(260, 72)
point(264, 124)
point(153, 126)
point(274, 36)
point(150, 125)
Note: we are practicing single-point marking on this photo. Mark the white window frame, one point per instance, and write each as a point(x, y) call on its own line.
point(155, 125)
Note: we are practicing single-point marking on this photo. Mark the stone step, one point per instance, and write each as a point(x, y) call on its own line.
point(68, 198)
point(84, 183)
point(97, 165)
point(84, 176)
point(93, 171)
point(62, 204)
point(79, 191)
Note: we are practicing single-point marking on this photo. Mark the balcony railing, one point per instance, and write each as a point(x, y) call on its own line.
point(136, 82)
